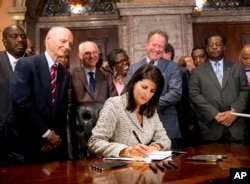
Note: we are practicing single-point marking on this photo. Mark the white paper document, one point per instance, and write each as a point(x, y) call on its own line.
point(241, 114)
point(154, 155)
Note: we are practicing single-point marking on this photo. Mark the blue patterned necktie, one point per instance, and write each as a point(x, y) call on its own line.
point(53, 83)
point(218, 73)
point(92, 83)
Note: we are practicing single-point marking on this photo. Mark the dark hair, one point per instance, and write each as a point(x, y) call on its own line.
point(112, 56)
point(169, 48)
point(160, 32)
point(150, 72)
point(199, 47)
point(224, 41)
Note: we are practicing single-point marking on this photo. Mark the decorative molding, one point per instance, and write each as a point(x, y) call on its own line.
point(141, 18)
point(221, 16)
point(130, 9)
point(17, 15)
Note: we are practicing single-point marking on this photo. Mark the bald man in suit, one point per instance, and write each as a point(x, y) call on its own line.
point(80, 79)
point(84, 90)
point(244, 58)
point(35, 126)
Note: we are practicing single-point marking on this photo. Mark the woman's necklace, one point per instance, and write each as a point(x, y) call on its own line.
point(118, 78)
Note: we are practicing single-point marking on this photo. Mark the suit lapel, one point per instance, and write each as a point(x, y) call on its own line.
point(7, 69)
point(210, 73)
point(82, 77)
point(42, 70)
point(131, 115)
point(163, 64)
point(98, 82)
point(61, 82)
point(226, 71)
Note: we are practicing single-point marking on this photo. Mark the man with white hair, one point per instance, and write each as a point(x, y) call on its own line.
point(35, 126)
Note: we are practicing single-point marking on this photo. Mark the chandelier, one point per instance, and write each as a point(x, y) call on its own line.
point(221, 4)
point(77, 7)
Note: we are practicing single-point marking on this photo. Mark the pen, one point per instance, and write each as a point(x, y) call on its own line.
point(136, 136)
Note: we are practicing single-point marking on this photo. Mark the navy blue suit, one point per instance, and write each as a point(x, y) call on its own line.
point(32, 114)
point(171, 94)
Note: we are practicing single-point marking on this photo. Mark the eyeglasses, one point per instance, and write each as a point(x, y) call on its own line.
point(122, 61)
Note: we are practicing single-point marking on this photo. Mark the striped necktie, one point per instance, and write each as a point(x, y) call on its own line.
point(53, 84)
point(248, 76)
point(218, 73)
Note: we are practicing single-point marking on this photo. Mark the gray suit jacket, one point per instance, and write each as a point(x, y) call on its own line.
point(171, 94)
point(209, 98)
point(5, 77)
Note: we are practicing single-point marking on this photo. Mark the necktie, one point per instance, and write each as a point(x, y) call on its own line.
point(248, 76)
point(14, 64)
point(53, 84)
point(218, 73)
point(92, 83)
point(151, 62)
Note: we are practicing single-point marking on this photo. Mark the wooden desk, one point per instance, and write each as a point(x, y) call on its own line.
point(79, 171)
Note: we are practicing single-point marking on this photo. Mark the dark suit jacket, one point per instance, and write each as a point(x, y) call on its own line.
point(5, 77)
point(32, 114)
point(171, 94)
point(104, 87)
point(209, 98)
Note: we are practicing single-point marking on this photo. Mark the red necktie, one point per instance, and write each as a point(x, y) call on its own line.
point(248, 77)
point(151, 62)
point(53, 83)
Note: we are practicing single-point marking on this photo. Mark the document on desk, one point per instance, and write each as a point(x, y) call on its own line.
point(154, 155)
point(241, 114)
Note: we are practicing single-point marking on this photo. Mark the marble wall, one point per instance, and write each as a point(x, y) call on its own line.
point(141, 18)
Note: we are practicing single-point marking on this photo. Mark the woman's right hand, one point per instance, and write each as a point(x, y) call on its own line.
point(139, 150)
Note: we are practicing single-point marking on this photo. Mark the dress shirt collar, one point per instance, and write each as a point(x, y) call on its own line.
point(49, 60)
point(247, 72)
point(213, 62)
point(13, 60)
point(155, 62)
point(87, 70)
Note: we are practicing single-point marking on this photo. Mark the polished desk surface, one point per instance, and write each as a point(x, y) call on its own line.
point(80, 171)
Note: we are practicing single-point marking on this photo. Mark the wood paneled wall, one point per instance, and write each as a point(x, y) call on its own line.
point(237, 35)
